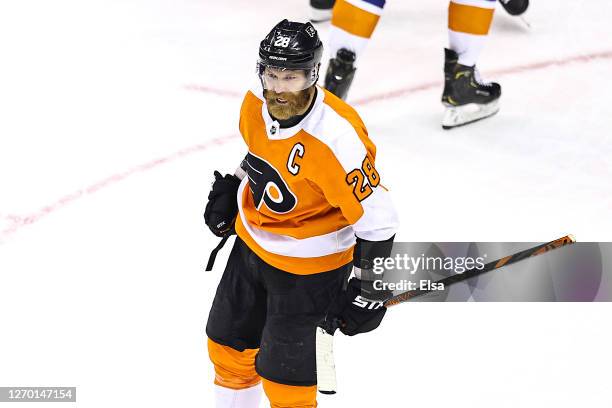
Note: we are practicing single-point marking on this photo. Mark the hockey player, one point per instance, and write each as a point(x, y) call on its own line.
point(306, 194)
point(466, 96)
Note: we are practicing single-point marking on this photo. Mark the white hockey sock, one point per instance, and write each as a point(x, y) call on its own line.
point(229, 398)
point(339, 38)
point(467, 46)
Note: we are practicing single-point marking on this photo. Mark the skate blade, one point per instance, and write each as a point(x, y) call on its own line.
point(455, 116)
point(320, 15)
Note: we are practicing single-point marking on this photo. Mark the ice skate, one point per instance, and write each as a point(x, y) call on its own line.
point(466, 97)
point(340, 73)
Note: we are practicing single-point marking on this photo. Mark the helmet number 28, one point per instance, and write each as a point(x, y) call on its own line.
point(282, 41)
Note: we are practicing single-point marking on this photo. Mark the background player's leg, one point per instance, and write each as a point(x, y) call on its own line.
point(469, 22)
point(290, 396)
point(353, 22)
point(236, 382)
point(466, 96)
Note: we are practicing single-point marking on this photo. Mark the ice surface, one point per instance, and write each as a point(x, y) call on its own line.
point(114, 114)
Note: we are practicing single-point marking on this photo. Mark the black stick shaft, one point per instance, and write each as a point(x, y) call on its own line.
point(510, 259)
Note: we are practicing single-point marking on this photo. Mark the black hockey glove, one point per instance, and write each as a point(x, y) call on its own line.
point(222, 206)
point(360, 308)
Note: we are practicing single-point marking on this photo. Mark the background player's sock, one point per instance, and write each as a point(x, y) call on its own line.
point(353, 22)
point(245, 398)
point(469, 22)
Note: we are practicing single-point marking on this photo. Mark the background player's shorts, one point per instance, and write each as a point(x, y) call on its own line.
point(259, 306)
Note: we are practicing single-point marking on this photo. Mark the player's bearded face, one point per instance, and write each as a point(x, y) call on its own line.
point(285, 105)
point(284, 92)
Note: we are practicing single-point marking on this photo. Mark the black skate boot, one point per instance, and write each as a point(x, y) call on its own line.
point(466, 97)
point(321, 10)
point(515, 7)
point(340, 73)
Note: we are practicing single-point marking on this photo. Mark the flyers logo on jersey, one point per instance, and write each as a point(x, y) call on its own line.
point(268, 187)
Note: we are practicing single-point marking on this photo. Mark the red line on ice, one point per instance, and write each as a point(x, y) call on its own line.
point(16, 222)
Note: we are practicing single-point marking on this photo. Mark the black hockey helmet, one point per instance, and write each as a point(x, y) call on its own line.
point(291, 46)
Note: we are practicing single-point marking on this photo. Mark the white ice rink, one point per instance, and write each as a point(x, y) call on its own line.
point(114, 114)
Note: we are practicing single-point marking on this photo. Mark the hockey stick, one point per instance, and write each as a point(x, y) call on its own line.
point(326, 371)
point(471, 273)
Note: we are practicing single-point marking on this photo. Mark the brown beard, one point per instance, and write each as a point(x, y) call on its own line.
point(297, 103)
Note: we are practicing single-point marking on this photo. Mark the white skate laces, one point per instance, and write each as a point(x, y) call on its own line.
point(479, 80)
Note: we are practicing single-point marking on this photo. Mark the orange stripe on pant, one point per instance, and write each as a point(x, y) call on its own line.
point(233, 369)
point(354, 20)
point(290, 396)
point(236, 370)
point(469, 19)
